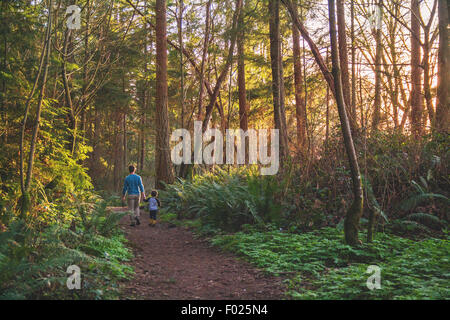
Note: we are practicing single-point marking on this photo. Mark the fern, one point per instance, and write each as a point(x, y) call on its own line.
point(421, 196)
point(427, 220)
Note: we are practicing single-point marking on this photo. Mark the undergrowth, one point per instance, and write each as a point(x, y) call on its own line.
point(322, 267)
point(34, 261)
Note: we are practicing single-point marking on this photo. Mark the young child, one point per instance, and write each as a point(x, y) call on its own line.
point(153, 205)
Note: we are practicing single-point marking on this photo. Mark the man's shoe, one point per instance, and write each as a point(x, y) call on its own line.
point(132, 225)
point(137, 221)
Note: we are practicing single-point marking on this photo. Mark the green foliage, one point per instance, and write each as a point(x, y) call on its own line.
point(427, 220)
point(421, 196)
point(325, 268)
point(420, 271)
point(33, 261)
point(224, 200)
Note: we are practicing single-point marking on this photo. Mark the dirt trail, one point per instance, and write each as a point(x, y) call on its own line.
point(171, 264)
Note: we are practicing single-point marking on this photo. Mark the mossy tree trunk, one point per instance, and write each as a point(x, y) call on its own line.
point(354, 214)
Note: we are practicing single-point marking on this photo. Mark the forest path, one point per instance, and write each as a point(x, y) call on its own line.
point(170, 263)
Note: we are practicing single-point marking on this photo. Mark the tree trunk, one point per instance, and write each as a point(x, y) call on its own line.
point(125, 142)
point(164, 170)
point(202, 66)
point(354, 214)
point(300, 105)
point(274, 30)
point(416, 71)
point(44, 64)
point(353, 102)
point(180, 42)
point(442, 119)
point(243, 107)
point(378, 56)
point(343, 58)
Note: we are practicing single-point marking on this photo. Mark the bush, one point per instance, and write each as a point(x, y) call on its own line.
point(224, 200)
point(33, 261)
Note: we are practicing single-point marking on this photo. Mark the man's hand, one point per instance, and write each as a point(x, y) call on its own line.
point(123, 198)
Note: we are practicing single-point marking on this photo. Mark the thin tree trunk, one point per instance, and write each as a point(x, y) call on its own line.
point(164, 169)
point(416, 71)
point(300, 105)
point(243, 107)
point(202, 65)
point(274, 30)
point(378, 56)
point(353, 102)
point(125, 142)
point(25, 201)
point(180, 42)
point(442, 119)
point(343, 58)
point(354, 214)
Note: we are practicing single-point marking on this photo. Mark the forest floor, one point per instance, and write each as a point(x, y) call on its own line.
point(170, 263)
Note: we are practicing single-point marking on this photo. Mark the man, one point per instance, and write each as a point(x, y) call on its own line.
point(134, 187)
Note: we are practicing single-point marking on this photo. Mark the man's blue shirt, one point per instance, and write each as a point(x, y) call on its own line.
point(133, 185)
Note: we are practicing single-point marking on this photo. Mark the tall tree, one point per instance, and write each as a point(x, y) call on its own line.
point(353, 49)
point(442, 119)
point(164, 169)
point(243, 106)
point(351, 224)
point(378, 57)
point(277, 88)
point(180, 43)
point(242, 91)
point(204, 55)
point(300, 103)
point(25, 181)
point(416, 71)
point(343, 55)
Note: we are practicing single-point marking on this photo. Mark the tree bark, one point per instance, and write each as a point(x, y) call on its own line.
point(353, 102)
point(416, 71)
point(354, 214)
point(274, 30)
point(204, 54)
point(300, 103)
point(180, 42)
point(44, 64)
point(343, 58)
point(442, 119)
point(164, 169)
point(243, 106)
point(378, 56)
